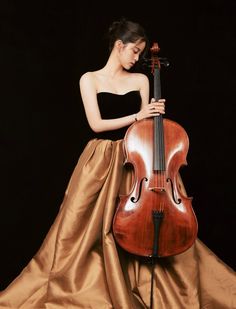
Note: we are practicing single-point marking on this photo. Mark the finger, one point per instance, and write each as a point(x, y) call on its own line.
point(155, 112)
point(161, 104)
point(158, 103)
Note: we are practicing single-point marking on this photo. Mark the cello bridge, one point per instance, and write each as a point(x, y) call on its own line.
point(157, 189)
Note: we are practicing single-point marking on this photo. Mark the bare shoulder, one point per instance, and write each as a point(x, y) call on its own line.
point(141, 82)
point(140, 78)
point(86, 78)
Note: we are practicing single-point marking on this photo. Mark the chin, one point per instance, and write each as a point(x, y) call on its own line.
point(128, 67)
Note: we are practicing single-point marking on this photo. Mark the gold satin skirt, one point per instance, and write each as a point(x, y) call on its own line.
point(79, 264)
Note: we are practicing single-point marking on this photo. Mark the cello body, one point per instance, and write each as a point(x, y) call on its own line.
point(155, 191)
point(156, 218)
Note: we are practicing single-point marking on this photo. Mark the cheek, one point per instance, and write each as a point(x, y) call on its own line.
point(124, 56)
point(129, 55)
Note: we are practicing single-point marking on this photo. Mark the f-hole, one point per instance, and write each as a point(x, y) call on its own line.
point(136, 199)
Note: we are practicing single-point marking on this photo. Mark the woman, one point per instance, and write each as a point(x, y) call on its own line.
point(79, 264)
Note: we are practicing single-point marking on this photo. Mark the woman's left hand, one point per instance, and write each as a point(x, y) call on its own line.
point(159, 105)
point(155, 108)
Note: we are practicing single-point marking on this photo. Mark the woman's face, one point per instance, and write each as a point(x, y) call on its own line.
point(129, 53)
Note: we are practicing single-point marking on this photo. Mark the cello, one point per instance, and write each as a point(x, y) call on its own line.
point(156, 218)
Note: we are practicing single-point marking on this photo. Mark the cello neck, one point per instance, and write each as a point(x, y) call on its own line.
point(158, 134)
point(157, 83)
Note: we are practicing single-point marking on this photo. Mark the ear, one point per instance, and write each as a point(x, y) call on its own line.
point(119, 44)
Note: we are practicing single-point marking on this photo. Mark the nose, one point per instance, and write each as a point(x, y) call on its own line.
point(136, 57)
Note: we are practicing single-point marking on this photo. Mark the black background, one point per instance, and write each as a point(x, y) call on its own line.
point(46, 46)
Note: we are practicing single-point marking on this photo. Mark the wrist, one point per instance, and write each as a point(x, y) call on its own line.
point(135, 117)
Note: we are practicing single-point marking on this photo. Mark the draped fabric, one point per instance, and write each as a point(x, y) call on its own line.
point(79, 264)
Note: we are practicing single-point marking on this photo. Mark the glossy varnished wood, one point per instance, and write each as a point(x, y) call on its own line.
point(133, 223)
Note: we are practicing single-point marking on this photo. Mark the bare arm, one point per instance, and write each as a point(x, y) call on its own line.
point(89, 98)
point(97, 124)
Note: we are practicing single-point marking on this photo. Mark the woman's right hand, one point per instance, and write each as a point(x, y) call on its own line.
point(155, 108)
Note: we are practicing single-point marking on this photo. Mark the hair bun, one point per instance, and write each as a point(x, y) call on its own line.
point(125, 30)
point(116, 25)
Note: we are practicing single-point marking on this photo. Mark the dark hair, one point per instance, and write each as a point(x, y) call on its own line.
point(127, 31)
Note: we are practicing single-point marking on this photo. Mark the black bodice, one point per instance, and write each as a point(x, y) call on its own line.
point(113, 106)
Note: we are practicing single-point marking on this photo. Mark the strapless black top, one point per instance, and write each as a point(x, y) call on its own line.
point(113, 106)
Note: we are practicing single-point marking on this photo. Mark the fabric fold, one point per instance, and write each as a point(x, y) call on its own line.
point(80, 265)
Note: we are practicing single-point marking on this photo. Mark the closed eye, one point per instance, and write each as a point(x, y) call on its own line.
point(136, 50)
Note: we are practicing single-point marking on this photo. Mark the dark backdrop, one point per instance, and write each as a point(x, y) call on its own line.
point(46, 46)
